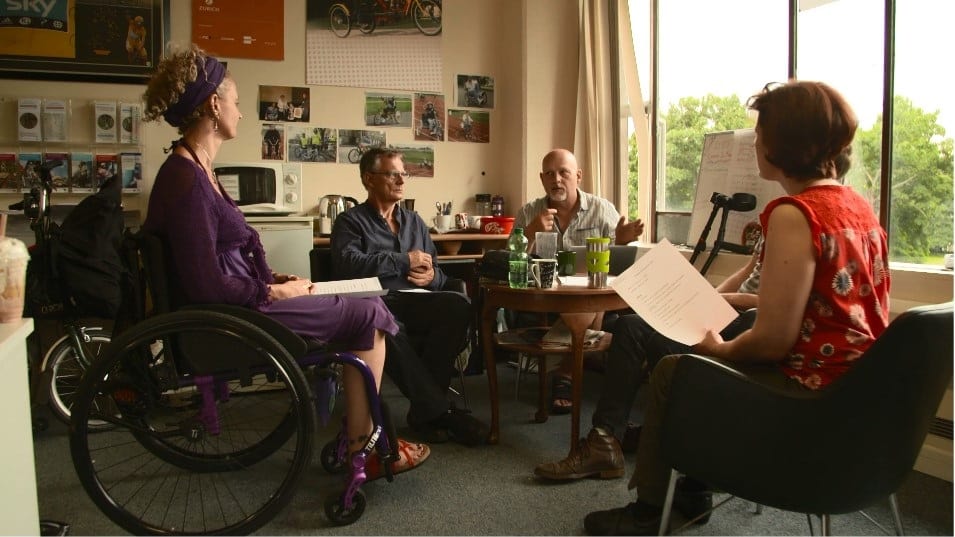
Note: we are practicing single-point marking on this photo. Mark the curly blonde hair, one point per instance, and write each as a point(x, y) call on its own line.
point(176, 69)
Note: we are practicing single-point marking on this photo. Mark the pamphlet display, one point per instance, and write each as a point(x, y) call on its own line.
point(104, 122)
point(30, 164)
point(28, 120)
point(131, 166)
point(11, 174)
point(130, 117)
point(107, 165)
point(81, 172)
point(79, 162)
point(55, 120)
point(60, 172)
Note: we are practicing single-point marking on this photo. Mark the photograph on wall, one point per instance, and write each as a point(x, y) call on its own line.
point(429, 111)
point(353, 144)
point(82, 40)
point(469, 126)
point(387, 109)
point(273, 141)
point(419, 158)
point(283, 103)
point(374, 44)
point(474, 91)
point(311, 144)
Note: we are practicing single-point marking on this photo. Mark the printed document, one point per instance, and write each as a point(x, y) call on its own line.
point(672, 296)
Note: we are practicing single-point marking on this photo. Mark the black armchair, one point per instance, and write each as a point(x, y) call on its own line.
point(833, 451)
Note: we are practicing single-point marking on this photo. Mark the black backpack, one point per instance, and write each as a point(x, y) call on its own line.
point(88, 255)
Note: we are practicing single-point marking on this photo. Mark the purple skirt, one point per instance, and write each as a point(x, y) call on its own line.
point(334, 319)
point(328, 318)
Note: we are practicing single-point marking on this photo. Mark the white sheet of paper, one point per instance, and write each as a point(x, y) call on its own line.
point(360, 287)
point(672, 296)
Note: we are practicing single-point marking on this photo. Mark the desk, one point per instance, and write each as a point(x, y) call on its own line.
point(577, 305)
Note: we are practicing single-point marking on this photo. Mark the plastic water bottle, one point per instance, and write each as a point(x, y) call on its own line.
point(517, 261)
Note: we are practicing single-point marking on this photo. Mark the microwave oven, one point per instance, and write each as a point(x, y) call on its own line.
point(262, 188)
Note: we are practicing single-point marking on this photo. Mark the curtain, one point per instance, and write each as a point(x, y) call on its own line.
point(597, 127)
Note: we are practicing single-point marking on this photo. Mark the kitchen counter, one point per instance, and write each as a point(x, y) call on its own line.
point(452, 246)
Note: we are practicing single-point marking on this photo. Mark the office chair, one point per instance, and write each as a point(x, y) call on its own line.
point(831, 451)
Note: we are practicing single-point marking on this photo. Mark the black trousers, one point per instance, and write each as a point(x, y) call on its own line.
point(634, 352)
point(433, 331)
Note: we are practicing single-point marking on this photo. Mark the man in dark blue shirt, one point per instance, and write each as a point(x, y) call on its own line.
point(380, 238)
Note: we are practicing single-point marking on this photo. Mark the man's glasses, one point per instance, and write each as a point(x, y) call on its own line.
point(394, 176)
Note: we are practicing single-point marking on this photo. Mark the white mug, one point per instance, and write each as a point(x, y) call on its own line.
point(442, 222)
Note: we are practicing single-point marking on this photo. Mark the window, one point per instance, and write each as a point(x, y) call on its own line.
point(713, 55)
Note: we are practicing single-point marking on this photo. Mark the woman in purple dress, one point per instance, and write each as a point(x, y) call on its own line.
point(218, 258)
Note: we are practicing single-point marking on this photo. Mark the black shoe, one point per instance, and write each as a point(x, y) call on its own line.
point(462, 427)
point(692, 499)
point(637, 518)
point(429, 432)
point(631, 438)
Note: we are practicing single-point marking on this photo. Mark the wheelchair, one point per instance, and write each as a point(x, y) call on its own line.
point(212, 414)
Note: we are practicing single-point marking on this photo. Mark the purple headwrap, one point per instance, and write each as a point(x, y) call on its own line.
point(207, 80)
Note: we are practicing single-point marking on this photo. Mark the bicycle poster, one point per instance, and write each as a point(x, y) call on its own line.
point(311, 144)
point(353, 144)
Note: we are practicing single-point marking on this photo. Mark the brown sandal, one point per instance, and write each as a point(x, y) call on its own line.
point(411, 456)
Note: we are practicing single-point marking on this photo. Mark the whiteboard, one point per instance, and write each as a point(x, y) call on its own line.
point(728, 166)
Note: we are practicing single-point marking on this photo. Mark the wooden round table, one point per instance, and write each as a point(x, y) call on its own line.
point(580, 308)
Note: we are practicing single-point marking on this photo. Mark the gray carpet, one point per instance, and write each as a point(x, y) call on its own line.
point(488, 490)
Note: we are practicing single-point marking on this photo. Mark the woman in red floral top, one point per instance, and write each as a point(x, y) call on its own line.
point(824, 288)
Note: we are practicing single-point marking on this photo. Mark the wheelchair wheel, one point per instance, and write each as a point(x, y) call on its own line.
point(165, 467)
point(66, 370)
point(337, 513)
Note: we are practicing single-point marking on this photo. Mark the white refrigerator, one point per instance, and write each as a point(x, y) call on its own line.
point(287, 241)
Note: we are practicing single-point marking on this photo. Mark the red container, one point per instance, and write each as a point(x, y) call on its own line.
point(497, 225)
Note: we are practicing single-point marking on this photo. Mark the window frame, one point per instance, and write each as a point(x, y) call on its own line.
point(648, 184)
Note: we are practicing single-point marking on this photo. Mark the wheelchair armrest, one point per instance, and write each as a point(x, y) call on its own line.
point(295, 345)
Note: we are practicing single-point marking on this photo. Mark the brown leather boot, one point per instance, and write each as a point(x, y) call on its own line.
point(598, 454)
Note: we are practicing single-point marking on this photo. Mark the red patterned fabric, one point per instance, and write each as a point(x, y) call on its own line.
point(848, 306)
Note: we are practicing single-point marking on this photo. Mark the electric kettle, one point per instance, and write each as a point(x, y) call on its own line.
point(332, 205)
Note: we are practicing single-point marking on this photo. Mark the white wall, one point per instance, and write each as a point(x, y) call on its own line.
point(485, 37)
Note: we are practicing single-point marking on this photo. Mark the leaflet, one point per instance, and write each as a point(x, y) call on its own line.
point(672, 296)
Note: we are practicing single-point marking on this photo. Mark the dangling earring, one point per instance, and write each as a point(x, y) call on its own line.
point(215, 122)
